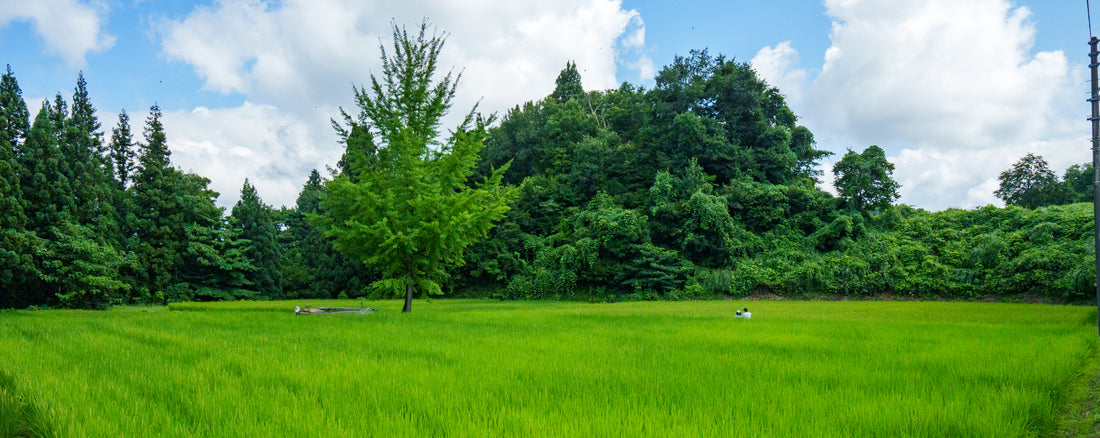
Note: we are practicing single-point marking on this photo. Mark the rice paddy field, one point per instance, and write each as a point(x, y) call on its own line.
point(486, 368)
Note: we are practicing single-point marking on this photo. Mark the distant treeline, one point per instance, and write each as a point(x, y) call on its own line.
point(704, 186)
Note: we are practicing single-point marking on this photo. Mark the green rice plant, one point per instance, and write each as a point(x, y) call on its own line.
point(476, 368)
point(20, 416)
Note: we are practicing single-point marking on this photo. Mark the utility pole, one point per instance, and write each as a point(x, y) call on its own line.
point(1095, 119)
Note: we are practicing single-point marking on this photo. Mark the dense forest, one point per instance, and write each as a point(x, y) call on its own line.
point(704, 186)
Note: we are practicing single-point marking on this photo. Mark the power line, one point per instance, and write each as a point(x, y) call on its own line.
point(1088, 13)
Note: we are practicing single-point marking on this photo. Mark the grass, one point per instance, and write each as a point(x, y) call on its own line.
point(476, 368)
point(1081, 416)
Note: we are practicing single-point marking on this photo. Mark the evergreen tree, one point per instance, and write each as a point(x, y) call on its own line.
point(299, 240)
point(312, 267)
point(47, 197)
point(160, 236)
point(568, 84)
point(15, 118)
point(121, 151)
point(81, 271)
point(17, 245)
point(213, 263)
point(412, 213)
point(76, 266)
point(47, 189)
point(256, 225)
point(94, 183)
point(121, 164)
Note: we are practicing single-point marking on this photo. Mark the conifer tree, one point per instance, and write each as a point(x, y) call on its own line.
point(75, 266)
point(47, 190)
point(121, 151)
point(15, 118)
point(257, 226)
point(213, 264)
point(159, 235)
point(120, 164)
point(16, 244)
point(80, 270)
point(92, 175)
point(311, 265)
point(568, 85)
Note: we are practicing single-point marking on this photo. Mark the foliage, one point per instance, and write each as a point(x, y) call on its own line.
point(253, 221)
point(121, 153)
point(84, 271)
point(1031, 184)
point(404, 208)
point(1079, 179)
point(865, 180)
point(703, 186)
point(17, 245)
point(568, 84)
point(687, 216)
point(311, 265)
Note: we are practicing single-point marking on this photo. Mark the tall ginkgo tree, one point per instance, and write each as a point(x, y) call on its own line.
point(404, 205)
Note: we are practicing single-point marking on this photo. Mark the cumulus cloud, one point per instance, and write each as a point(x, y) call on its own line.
point(68, 28)
point(297, 58)
point(953, 100)
point(777, 65)
point(274, 150)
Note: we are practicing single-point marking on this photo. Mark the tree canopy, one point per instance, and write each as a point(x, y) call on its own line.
point(865, 180)
point(403, 207)
point(704, 186)
point(1030, 183)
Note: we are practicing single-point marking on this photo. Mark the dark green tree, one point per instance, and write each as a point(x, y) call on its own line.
point(865, 180)
point(158, 235)
point(1031, 184)
point(15, 117)
point(121, 163)
point(94, 185)
point(718, 111)
point(568, 84)
point(47, 197)
point(686, 215)
point(311, 265)
point(606, 250)
point(121, 151)
point(253, 219)
point(411, 213)
point(213, 260)
point(1079, 179)
point(80, 270)
point(47, 190)
point(17, 245)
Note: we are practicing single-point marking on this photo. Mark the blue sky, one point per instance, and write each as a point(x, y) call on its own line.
point(954, 90)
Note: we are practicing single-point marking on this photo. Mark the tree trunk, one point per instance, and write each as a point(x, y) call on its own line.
point(408, 299)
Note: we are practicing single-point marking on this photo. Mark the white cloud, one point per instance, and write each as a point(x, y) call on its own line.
point(297, 60)
point(777, 67)
point(274, 150)
point(950, 89)
point(68, 28)
point(313, 51)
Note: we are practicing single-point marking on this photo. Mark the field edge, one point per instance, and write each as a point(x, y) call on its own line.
point(1080, 416)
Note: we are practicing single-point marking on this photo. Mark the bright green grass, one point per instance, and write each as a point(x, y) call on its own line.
point(481, 368)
